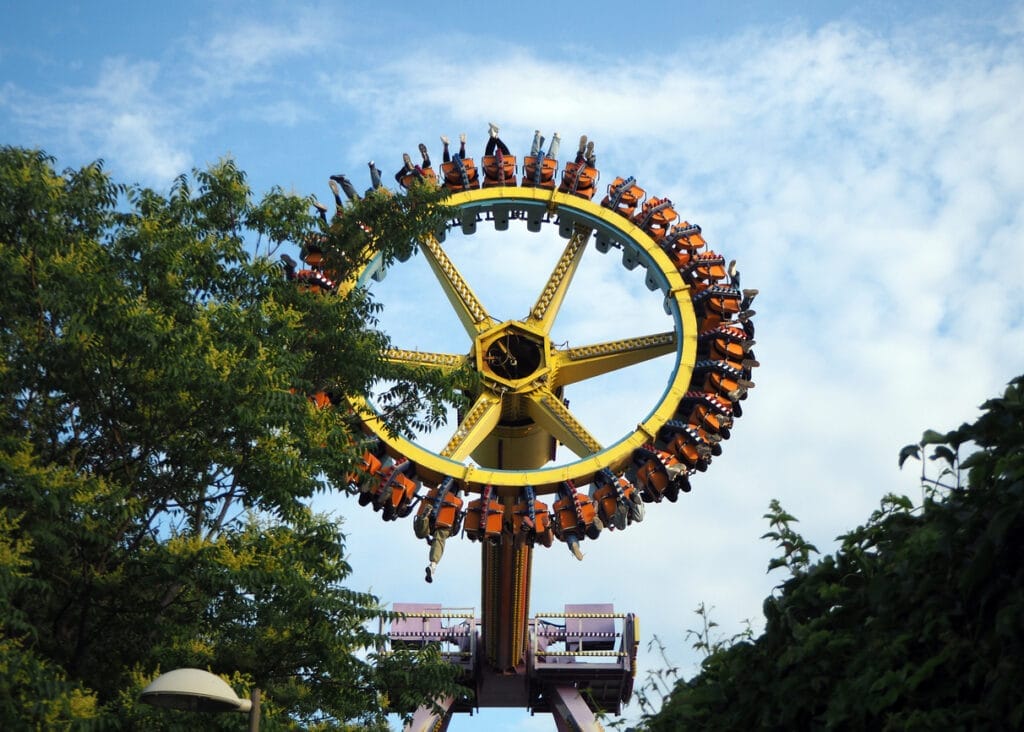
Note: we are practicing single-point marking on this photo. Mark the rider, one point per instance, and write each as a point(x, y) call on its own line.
point(438, 518)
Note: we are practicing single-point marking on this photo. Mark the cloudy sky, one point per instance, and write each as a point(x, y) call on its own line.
point(863, 162)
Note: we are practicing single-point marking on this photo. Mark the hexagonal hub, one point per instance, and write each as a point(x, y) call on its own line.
point(512, 354)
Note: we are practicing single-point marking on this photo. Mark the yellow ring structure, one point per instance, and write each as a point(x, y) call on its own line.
point(580, 221)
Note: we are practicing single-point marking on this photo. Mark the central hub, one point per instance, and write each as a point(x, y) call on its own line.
point(512, 354)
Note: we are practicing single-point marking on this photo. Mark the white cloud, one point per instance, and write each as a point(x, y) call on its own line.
point(122, 117)
point(148, 118)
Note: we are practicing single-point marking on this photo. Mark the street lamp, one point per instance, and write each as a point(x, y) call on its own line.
point(195, 690)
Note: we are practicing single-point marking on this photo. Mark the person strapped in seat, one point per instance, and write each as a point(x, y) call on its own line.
point(580, 176)
point(484, 517)
point(658, 474)
point(366, 477)
point(395, 493)
point(682, 243)
point(539, 167)
point(459, 172)
point(624, 195)
point(655, 217)
point(498, 162)
point(532, 520)
point(409, 174)
point(439, 516)
point(575, 518)
point(617, 500)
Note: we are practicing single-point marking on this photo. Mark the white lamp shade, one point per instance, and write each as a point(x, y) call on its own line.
point(194, 690)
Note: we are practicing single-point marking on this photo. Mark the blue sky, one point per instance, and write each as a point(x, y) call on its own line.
point(864, 162)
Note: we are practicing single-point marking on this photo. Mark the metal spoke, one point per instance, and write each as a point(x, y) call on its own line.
point(443, 362)
point(545, 310)
point(479, 422)
point(471, 312)
point(550, 412)
point(585, 362)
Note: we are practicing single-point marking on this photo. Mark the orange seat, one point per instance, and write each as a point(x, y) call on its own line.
point(456, 179)
point(682, 242)
point(484, 518)
point(448, 513)
point(394, 491)
point(321, 400)
point(575, 514)
point(706, 268)
point(623, 196)
point(501, 173)
point(689, 446)
point(546, 178)
point(421, 175)
point(397, 495)
point(659, 474)
point(311, 280)
point(365, 477)
point(653, 478)
point(535, 525)
point(655, 217)
point(579, 179)
point(609, 495)
point(716, 304)
point(722, 379)
point(711, 414)
point(724, 342)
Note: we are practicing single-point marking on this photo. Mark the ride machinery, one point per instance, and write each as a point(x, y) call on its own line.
point(502, 452)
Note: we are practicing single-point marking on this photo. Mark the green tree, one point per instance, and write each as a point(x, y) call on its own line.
point(914, 623)
point(158, 449)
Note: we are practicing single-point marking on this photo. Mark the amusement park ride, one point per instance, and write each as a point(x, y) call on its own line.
point(501, 455)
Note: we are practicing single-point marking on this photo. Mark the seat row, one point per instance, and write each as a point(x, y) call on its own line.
point(393, 489)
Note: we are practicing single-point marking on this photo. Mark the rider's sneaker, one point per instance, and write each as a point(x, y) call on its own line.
point(444, 139)
point(575, 549)
point(407, 160)
point(430, 570)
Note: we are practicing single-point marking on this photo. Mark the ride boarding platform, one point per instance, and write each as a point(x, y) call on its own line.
point(578, 662)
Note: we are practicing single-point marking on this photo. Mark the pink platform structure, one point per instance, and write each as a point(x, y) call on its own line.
point(579, 662)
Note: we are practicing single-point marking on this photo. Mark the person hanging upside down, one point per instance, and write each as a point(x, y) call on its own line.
point(494, 142)
point(338, 180)
point(439, 517)
point(409, 172)
point(538, 144)
point(458, 172)
point(446, 155)
point(375, 181)
point(499, 164)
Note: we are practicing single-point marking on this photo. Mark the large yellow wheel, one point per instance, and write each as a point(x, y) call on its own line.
point(505, 438)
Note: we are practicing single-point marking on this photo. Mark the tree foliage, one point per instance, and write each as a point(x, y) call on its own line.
point(914, 623)
point(158, 451)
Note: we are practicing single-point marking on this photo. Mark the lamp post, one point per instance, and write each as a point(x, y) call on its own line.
point(195, 690)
